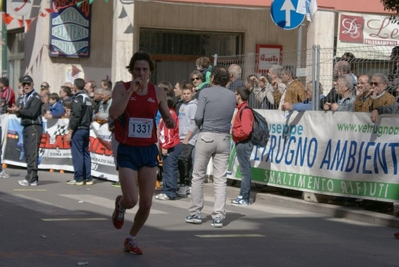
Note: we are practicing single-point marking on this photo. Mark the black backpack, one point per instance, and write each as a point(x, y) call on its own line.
point(260, 130)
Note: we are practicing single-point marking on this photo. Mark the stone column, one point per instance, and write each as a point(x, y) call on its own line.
point(122, 39)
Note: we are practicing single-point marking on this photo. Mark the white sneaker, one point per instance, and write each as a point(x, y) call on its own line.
point(26, 183)
point(4, 175)
point(182, 192)
point(162, 196)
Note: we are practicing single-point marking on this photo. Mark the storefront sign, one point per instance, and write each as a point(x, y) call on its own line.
point(70, 29)
point(267, 56)
point(374, 33)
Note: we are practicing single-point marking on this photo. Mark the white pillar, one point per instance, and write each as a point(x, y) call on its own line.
point(321, 32)
point(122, 40)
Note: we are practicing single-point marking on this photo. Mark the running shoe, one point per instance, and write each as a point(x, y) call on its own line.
point(118, 217)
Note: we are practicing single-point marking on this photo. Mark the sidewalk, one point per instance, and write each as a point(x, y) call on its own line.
point(271, 196)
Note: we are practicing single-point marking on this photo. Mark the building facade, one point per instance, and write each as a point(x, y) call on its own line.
point(60, 40)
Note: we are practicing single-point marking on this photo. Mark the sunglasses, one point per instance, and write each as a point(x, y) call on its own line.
point(23, 84)
point(374, 84)
point(43, 86)
point(195, 79)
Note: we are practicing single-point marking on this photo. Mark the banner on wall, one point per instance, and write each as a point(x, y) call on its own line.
point(70, 29)
point(54, 151)
point(374, 36)
point(332, 154)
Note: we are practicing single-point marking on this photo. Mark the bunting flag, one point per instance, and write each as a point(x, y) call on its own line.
point(123, 14)
point(307, 7)
point(7, 18)
point(20, 22)
point(129, 29)
point(28, 22)
point(43, 14)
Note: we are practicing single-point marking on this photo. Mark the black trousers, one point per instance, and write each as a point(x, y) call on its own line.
point(185, 164)
point(32, 136)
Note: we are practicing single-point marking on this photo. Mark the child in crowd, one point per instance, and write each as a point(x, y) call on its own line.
point(67, 108)
point(188, 133)
point(170, 147)
point(204, 66)
point(56, 110)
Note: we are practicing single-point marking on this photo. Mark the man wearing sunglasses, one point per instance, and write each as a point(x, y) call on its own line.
point(31, 120)
point(379, 95)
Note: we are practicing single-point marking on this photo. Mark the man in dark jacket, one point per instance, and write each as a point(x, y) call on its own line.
point(31, 120)
point(79, 134)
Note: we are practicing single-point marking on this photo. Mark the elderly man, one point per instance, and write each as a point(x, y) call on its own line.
point(391, 109)
point(103, 110)
point(270, 95)
point(340, 68)
point(235, 77)
point(295, 91)
point(215, 110)
point(379, 96)
point(305, 105)
point(362, 102)
point(343, 89)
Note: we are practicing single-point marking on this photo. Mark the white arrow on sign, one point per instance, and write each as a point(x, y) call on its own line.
point(287, 7)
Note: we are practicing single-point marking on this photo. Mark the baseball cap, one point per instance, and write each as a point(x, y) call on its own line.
point(27, 79)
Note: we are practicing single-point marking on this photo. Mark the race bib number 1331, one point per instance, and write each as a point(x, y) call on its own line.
point(140, 127)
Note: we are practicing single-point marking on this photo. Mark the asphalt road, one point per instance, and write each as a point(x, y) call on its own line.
point(56, 224)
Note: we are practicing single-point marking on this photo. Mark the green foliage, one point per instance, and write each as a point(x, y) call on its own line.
point(391, 5)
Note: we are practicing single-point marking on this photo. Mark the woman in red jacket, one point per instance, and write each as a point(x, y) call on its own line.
point(170, 147)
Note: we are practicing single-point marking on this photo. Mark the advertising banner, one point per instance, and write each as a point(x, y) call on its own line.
point(55, 153)
point(328, 153)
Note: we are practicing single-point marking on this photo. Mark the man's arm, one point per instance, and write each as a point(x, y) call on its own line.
point(121, 97)
point(199, 114)
point(76, 114)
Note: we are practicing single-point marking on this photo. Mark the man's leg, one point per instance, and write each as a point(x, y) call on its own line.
point(220, 162)
point(128, 180)
point(146, 182)
point(86, 155)
point(183, 163)
point(243, 156)
point(31, 135)
point(204, 148)
point(77, 155)
point(170, 171)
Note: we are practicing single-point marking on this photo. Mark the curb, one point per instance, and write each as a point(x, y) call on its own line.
point(350, 213)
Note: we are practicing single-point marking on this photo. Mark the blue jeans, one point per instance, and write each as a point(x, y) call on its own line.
point(244, 150)
point(80, 155)
point(170, 171)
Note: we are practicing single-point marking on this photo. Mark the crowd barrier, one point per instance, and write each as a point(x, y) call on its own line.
point(54, 152)
point(341, 153)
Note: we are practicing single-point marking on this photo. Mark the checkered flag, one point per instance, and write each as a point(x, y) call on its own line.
point(41, 152)
point(61, 130)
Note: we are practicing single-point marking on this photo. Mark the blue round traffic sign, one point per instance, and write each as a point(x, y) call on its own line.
point(284, 15)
